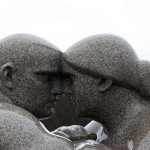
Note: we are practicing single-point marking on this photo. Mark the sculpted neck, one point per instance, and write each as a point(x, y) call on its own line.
point(123, 117)
point(121, 107)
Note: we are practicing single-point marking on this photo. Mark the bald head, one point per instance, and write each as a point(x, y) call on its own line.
point(105, 55)
point(17, 47)
point(28, 64)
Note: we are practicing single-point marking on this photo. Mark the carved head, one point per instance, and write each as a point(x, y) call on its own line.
point(30, 73)
point(96, 64)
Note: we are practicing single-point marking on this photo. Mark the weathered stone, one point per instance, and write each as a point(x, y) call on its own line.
point(111, 85)
point(30, 79)
point(28, 65)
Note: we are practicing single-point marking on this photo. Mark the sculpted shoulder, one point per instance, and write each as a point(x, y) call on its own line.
point(10, 108)
point(145, 143)
point(19, 130)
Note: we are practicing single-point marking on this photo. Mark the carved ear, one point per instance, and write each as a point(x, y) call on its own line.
point(7, 71)
point(104, 84)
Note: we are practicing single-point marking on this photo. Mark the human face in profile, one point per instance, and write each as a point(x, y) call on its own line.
point(85, 91)
point(38, 81)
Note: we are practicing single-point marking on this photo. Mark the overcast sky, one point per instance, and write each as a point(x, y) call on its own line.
point(64, 22)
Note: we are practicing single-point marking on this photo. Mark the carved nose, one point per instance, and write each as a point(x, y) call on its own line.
point(57, 86)
point(56, 91)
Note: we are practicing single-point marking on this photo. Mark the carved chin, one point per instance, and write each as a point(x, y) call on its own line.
point(47, 114)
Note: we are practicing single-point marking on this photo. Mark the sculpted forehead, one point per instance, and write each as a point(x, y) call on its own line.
point(15, 47)
point(43, 58)
point(23, 41)
point(28, 50)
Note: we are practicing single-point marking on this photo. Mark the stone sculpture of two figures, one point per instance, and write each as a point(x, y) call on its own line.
point(108, 82)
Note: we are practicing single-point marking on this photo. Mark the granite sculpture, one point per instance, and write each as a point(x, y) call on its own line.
point(111, 85)
point(30, 79)
point(108, 81)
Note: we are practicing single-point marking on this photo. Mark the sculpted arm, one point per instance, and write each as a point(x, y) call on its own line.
point(19, 132)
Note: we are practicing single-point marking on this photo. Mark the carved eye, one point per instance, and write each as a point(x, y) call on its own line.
point(43, 77)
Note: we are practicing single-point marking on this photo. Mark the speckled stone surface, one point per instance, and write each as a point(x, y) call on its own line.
point(20, 130)
point(29, 64)
point(116, 57)
point(30, 79)
point(111, 85)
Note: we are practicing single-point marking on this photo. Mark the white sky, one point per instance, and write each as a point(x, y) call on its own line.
point(64, 22)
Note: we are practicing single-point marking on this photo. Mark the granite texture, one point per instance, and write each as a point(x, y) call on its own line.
point(28, 66)
point(30, 80)
point(20, 130)
point(108, 82)
point(111, 85)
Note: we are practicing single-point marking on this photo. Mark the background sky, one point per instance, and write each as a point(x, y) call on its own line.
point(64, 22)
